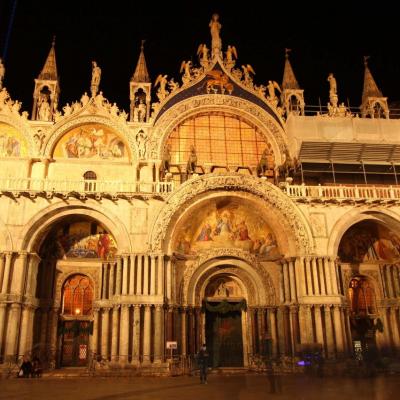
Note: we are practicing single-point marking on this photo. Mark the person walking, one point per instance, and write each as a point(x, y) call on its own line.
point(202, 360)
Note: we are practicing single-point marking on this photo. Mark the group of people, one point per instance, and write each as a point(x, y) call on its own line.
point(30, 369)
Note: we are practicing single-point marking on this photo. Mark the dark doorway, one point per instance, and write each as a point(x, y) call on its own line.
point(75, 343)
point(224, 338)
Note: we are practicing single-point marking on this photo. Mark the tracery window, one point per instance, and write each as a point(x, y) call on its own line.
point(219, 139)
point(362, 297)
point(77, 295)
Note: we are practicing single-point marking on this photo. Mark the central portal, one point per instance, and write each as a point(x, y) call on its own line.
point(224, 335)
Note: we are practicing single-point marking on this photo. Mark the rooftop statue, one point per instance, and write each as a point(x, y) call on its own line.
point(2, 72)
point(215, 28)
point(96, 75)
point(230, 53)
point(332, 84)
point(162, 92)
point(272, 85)
point(185, 66)
point(202, 52)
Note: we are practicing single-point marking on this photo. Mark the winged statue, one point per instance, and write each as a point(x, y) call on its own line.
point(248, 68)
point(202, 51)
point(231, 53)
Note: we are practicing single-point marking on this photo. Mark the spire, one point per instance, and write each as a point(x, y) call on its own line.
point(49, 71)
point(370, 87)
point(289, 81)
point(141, 74)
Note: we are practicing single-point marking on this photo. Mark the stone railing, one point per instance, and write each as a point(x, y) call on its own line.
point(32, 186)
point(343, 193)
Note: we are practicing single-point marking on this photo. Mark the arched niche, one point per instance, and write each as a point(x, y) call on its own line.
point(92, 141)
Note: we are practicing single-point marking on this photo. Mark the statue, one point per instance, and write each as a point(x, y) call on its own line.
point(84, 99)
point(247, 69)
point(141, 111)
point(263, 167)
point(2, 72)
point(202, 52)
point(230, 53)
point(192, 161)
point(215, 28)
point(185, 66)
point(162, 92)
point(332, 85)
point(166, 162)
point(67, 110)
point(44, 112)
point(172, 85)
point(141, 140)
point(96, 75)
point(272, 85)
point(4, 97)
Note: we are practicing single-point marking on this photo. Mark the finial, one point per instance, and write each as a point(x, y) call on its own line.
point(142, 44)
point(287, 51)
point(366, 60)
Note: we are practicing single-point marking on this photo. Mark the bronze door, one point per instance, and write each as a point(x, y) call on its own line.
point(75, 343)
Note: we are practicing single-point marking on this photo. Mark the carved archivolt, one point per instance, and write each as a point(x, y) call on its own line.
point(177, 203)
point(219, 102)
point(255, 278)
point(66, 124)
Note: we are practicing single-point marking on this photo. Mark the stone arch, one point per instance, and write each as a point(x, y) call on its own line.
point(23, 128)
point(275, 199)
point(371, 275)
point(384, 216)
point(176, 114)
point(66, 124)
point(255, 279)
point(35, 230)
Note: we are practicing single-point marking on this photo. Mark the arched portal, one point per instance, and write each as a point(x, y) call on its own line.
point(76, 322)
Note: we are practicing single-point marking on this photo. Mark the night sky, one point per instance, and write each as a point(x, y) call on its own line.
point(330, 39)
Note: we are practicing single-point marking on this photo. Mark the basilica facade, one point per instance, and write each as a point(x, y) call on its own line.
point(215, 211)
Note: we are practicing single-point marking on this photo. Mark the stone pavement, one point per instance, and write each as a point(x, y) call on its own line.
point(238, 387)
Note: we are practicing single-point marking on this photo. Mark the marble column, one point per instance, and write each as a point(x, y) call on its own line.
point(348, 330)
point(43, 329)
point(168, 266)
point(124, 334)
point(329, 331)
point(286, 281)
point(294, 317)
point(394, 328)
point(2, 266)
point(318, 325)
point(315, 275)
point(280, 316)
point(152, 275)
point(146, 275)
point(160, 274)
point(326, 266)
point(322, 281)
point(23, 333)
point(333, 273)
point(272, 317)
point(139, 274)
point(6, 275)
point(147, 334)
point(132, 275)
point(125, 267)
point(3, 307)
point(183, 331)
point(95, 336)
point(158, 333)
point(118, 281)
point(105, 331)
point(115, 334)
point(104, 280)
point(111, 282)
point(338, 330)
point(136, 334)
point(310, 291)
point(12, 332)
point(292, 281)
point(53, 324)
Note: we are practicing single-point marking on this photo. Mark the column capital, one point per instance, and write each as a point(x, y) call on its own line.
point(137, 306)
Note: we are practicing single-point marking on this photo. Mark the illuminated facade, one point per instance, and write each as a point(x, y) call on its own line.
point(216, 211)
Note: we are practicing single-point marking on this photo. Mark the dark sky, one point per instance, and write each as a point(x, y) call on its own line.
point(333, 38)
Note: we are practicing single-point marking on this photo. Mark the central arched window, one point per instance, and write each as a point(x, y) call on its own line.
point(219, 139)
point(90, 178)
point(77, 296)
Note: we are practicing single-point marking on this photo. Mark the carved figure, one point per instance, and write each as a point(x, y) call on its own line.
point(218, 80)
point(332, 84)
point(272, 85)
point(162, 91)
point(192, 161)
point(202, 52)
point(44, 112)
point(96, 75)
point(185, 66)
point(230, 53)
point(247, 69)
point(215, 28)
point(2, 72)
point(141, 111)
point(84, 99)
point(166, 162)
point(141, 140)
point(67, 110)
point(263, 167)
point(172, 85)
